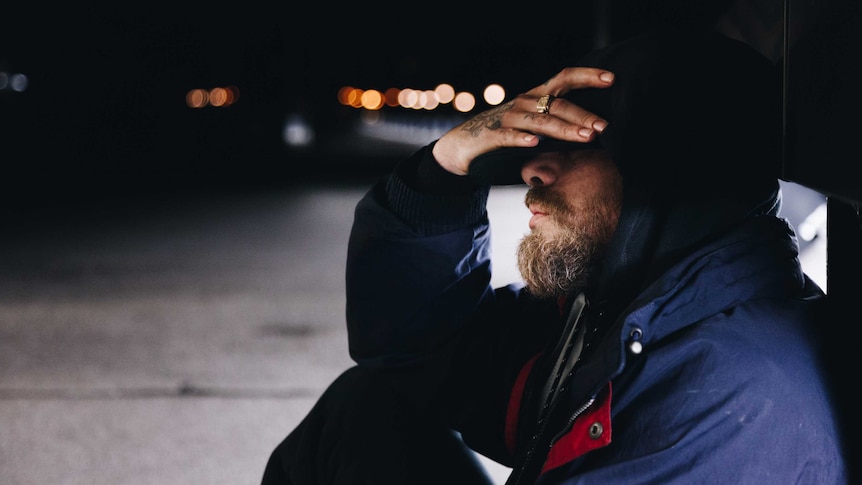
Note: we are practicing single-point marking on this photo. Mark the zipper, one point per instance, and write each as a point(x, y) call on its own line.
point(572, 419)
point(534, 442)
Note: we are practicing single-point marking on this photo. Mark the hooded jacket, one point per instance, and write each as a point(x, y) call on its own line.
point(696, 353)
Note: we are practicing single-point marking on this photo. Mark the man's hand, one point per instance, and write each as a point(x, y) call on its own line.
point(517, 123)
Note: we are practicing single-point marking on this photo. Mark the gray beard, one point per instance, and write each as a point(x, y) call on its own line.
point(566, 263)
point(553, 267)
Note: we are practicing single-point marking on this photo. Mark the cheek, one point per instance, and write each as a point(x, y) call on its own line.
point(574, 211)
point(595, 216)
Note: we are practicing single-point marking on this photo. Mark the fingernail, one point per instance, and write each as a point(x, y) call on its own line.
point(606, 76)
point(585, 132)
point(529, 138)
point(600, 125)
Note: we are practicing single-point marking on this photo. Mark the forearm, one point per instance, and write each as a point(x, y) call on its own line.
point(418, 263)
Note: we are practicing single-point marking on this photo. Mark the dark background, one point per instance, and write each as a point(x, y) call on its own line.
point(105, 109)
point(104, 113)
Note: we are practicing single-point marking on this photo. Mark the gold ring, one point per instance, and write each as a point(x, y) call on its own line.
point(543, 106)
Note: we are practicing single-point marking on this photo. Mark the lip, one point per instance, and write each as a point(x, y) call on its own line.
point(537, 216)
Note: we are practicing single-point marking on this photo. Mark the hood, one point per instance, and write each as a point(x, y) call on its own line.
point(698, 144)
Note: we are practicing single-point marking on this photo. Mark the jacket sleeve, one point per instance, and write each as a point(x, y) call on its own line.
point(418, 265)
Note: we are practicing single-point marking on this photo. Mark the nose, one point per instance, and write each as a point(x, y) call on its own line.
point(539, 172)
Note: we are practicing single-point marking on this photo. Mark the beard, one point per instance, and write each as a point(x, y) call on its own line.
point(566, 259)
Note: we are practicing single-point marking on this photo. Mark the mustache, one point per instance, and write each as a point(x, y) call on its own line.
point(548, 199)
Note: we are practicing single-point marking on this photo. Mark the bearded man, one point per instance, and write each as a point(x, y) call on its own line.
point(664, 331)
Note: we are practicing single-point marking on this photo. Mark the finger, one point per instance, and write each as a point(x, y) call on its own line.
point(566, 80)
point(564, 120)
point(570, 113)
point(574, 78)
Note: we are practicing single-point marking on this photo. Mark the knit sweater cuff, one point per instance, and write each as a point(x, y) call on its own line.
point(432, 200)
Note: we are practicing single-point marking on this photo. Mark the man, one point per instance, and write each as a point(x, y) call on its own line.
point(664, 333)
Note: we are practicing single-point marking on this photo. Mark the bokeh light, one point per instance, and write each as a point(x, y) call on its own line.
point(494, 94)
point(444, 94)
point(464, 102)
point(218, 97)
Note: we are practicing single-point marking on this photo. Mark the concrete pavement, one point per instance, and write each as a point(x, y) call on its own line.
point(169, 339)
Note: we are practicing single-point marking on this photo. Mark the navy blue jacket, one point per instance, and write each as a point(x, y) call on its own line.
point(707, 372)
